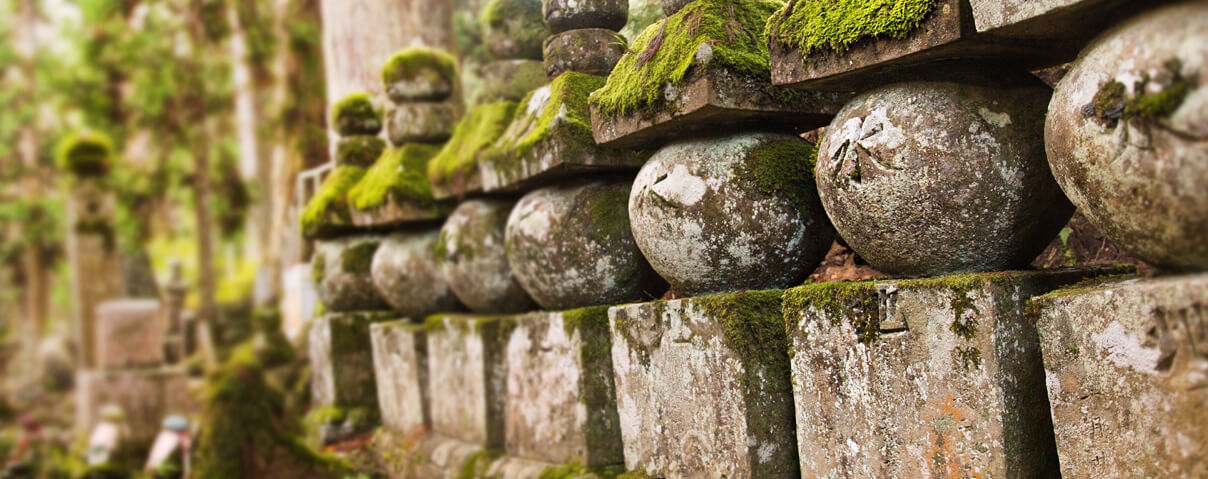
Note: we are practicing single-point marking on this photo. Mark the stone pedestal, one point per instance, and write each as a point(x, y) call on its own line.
point(703, 387)
point(466, 367)
point(130, 333)
point(146, 396)
point(1126, 365)
point(400, 364)
point(341, 359)
point(936, 377)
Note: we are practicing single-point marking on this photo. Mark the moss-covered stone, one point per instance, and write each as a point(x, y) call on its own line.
point(725, 33)
point(513, 29)
point(422, 122)
point(343, 274)
point(566, 15)
point(86, 154)
point(327, 211)
point(419, 74)
point(471, 255)
point(359, 150)
point(399, 175)
point(817, 26)
point(586, 50)
point(457, 161)
point(355, 114)
point(561, 106)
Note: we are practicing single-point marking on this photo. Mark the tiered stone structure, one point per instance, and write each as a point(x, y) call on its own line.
point(943, 164)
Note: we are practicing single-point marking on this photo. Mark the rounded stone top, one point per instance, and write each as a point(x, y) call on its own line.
point(85, 154)
point(405, 273)
point(341, 272)
point(470, 253)
point(937, 177)
point(356, 114)
point(359, 150)
point(513, 29)
point(564, 15)
point(1127, 135)
point(419, 74)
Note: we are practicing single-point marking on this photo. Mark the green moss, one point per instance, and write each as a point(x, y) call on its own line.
point(477, 131)
point(1112, 95)
point(318, 268)
point(86, 154)
point(100, 227)
point(784, 167)
point(664, 52)
point(1034, 305)
point(856, 302)
point(565, 108)
point(477, 464)
point(329, 206)
point(596, 389)
point(401, 175)
point(356, 115)
point(1111, 102)
point(610, 209)
point(359, 150)
point(420, 64)
point(833, 26)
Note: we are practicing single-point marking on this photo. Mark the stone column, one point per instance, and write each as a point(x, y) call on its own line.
point(92, 252)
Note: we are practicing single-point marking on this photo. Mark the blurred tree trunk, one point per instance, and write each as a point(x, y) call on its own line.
point(201, 141)
point(34, 266)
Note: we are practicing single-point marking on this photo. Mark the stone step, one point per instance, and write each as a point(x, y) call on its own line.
point(1126, 368)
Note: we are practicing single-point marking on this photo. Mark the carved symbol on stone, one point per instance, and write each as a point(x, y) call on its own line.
point(887, 309)
point(852, 156)
point(1182, 341)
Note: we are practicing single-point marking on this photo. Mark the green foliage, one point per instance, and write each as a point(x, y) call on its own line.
point(356, 115)
point(565, 103)
point(329, 206)
point(85, 154)
point(477, 131)
point(665, 51)
point(420, 63)
point(817, 26)
point(400, 174)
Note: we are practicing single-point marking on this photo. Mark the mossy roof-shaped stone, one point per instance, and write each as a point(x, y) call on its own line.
point(562, 105)
point(818, 26)
point(355, 114)
point(399, 175)
point(329, 207)
point(664, 53)
point(477, 131)
point(85, 154)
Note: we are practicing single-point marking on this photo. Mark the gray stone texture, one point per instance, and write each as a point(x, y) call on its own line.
point(703, 387)
point(471, 255)
point(341, 359)
point(564, 15)
point(400, 364)
point(422, 122)
point(1126, 363)
point(1139, 175)
point(466, 367)
point(130, 332)
point(927, 178)
point(146, 396)
point(560, 401)
point(511, 79)
point(513, 29)
point(426, 85)
point(406, 275)
point(571, 246)
point(341, 271)
point(587, 50)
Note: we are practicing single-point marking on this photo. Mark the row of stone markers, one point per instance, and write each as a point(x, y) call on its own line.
point(948, 162)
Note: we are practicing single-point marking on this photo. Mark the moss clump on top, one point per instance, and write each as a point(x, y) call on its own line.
point(420, 64)
point(819, 26)
point(663, 53)
point(477, 131)
point(359, 150)
point(85, 154)
point(857, 301)
point(562, 103)
point(400, 174)
point(784, 167)
point(356, 115)
point(329, 206)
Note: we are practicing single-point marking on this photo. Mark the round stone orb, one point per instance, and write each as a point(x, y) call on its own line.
point(566, 15)
point(340, 270)
point(405, 273)
point(730, 213)
point(571, 247)
point(471, 256)
point(1136, 162)
point(935, 177)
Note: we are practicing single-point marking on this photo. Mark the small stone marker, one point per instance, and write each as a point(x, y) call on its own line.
point(341, 359)
point(400, 364)
point(130, 332)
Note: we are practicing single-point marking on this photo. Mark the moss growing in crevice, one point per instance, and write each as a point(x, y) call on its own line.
point(359, 150)
point(596, 389)
point(784, 167)
point(356, 115)
point(562, 105)
point(833, 26)
point(358, 259)
point(577, 471)
point(1112, 102)
point(400, 175)
point(420, 64)
point(855, 302)
point(87, 154)
point(329, 206)
point(663, 54)
point(477, 131)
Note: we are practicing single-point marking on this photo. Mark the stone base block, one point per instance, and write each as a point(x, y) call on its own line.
point(341, 359)
point(937, 377)
point(560, 403)
point(146, 396)
point(703, 386)
point(466, 375)
point(438, 457)
point(400, 364)
point(130, 332)
point(1126, 363)
point(716, 99)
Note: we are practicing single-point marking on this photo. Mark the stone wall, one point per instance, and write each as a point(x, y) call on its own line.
point(601, 268)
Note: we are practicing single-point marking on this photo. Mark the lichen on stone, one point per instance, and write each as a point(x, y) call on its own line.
point(477, 131)
point(665, 52)
point(561, 105)
point(784, 168)
point(477, 465)
point(355, 114)
point(419, 63)
point(833, 26)
point(400, 175)
point(359, 150)
point(853, 301)
point(85, 154)
point(329, 206)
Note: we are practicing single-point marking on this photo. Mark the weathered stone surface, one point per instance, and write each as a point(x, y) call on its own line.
point(565, 15)
point(737, 212)
point(1058, 28)
point(955, 360)
point(340, 269)
point(713, 100)
point(420, 74)
point(146, 396)
point(94, 256)
point(422, 122)
point(400, 364)
point(130, 332)
point(703, 387)
point(359, 150)
point(672, 6)
point(511, 79)
point(1126, 369)
point(560, 401)
point(471, 255)
point(513, 29)
point(989, 203)
point(356, 114)
point(466, 367)
point(570, 246)
point(406, 275)
point(1136, 162)
point(438, 457)
point(586, 50)
point(341, 361)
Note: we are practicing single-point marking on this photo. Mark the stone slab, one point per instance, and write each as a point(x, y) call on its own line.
point(130, 333)
point(341, 359)
point(1126, 363)
point(703, 387)
point(146, 396)
point(556, 157)
point(400, 365)
point(467, 378)
point(560, 403)
point(395, 213)
point(938, 377)
point(715, 99)
point(1064, 25)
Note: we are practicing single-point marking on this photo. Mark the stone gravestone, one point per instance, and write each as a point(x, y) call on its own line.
point(130, 333)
